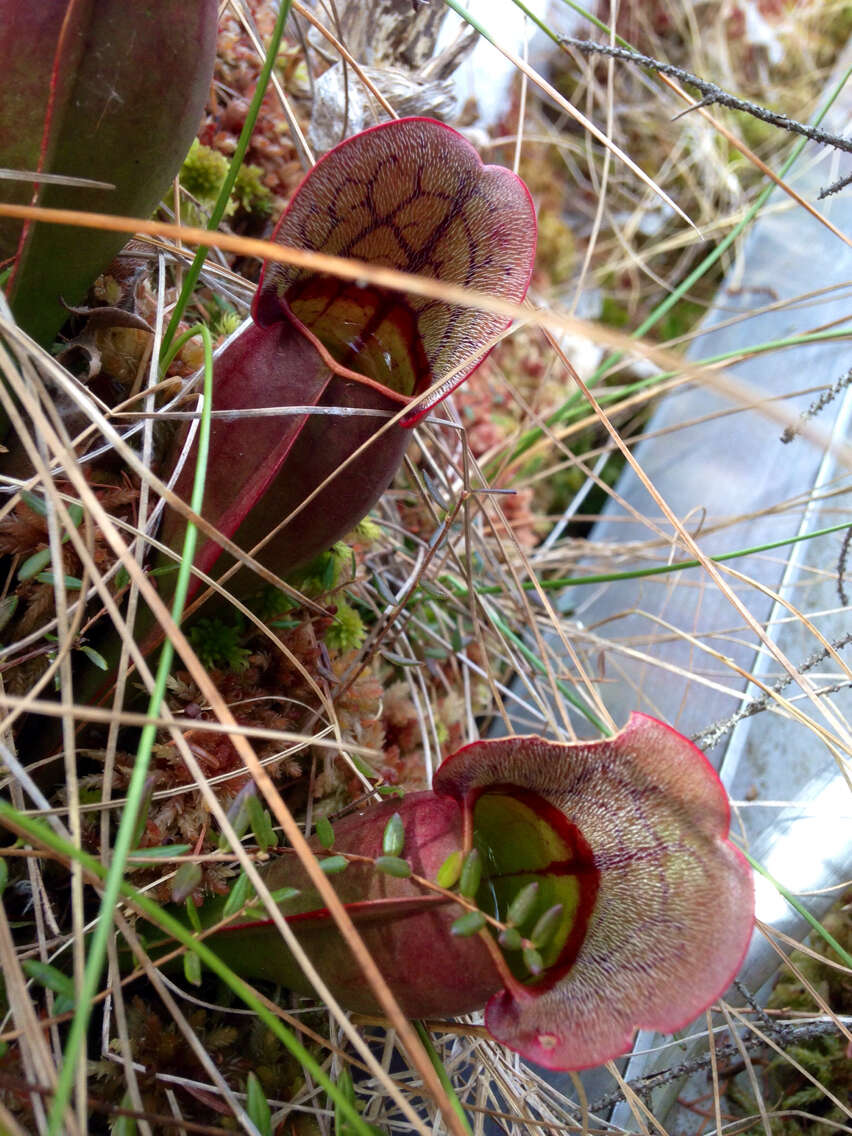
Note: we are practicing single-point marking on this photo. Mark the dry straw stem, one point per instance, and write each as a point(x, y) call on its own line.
point(277, 806)
point(352, 269)
point(700, 105)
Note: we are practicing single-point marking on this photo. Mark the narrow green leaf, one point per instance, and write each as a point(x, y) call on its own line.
point(546, 926)
point(394, 866)
point(325, 833)
point(510, 939)
point(34, 564)
point(331, 865)
point(261, 823)
point(95, 657)
point(50, 977)
point(72, 583)
point(124, 1125)
point(192, 915)
point(142, 813)
point(238, 895)
point(192, 969)
point(347, 1090)
point(257, 1106)
point(468, 924)
point(521, 907)
point(363, 767)
point(443, 1077)
point(185, 880)
point(4, 874)
point(390, 790)
point(449, 871)
point(279, 896)
point(471, 874)
point(8, 607)
point(532, 960)
point(34, 502)
point(393, 840)
point(158, 852)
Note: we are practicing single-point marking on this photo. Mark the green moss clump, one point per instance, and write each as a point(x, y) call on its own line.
point(203, 174)
point(218, 645)
point(348, 631)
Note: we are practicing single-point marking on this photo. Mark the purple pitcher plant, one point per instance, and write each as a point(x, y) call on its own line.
point(96, 89)
point(577, 891)
point(410, 194)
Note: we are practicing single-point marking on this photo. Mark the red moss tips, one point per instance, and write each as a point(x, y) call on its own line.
point(413, 195)
point(673, 912)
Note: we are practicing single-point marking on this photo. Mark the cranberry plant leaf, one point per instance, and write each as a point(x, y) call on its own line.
point(405, 927)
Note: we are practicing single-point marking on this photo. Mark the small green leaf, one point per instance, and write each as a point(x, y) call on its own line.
point(331, 865)
point(471, 874)
point(159, 852)
point(281, 895)
point(8, 607)
point(95, 657)
point(192, 915)
point(72, 583)
point(50, 977)
point(532, 960)
point(449, 871)
point(34, 502)
point(237, 896)
point(261, 823)
point(238, 813)
point(192, 968)
point(390, 790)
point(257, 1106)
point(34, 564)
point(142, 815)
point(546, 926)
point(521, 907)
point(510, 939)
point(468, 924)
point(4, 874)
point(393, 840)
point(124, 1125)
point(394, 866)
point(325, 833)
point(363, 767)
point(186, 879)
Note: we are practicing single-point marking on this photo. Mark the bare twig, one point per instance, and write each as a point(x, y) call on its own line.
point(711, 93)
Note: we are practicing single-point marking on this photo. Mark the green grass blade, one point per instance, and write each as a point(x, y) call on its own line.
point(137, 787)
point(38, 833)
point(443, 1077)
point(218, 212)
point(560, 582)
point(539, 666)
point(530, 437)
point(840, 951)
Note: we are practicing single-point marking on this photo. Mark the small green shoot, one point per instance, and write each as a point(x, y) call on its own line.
point(325, 833)
point(393, 839)
point(394, 866)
